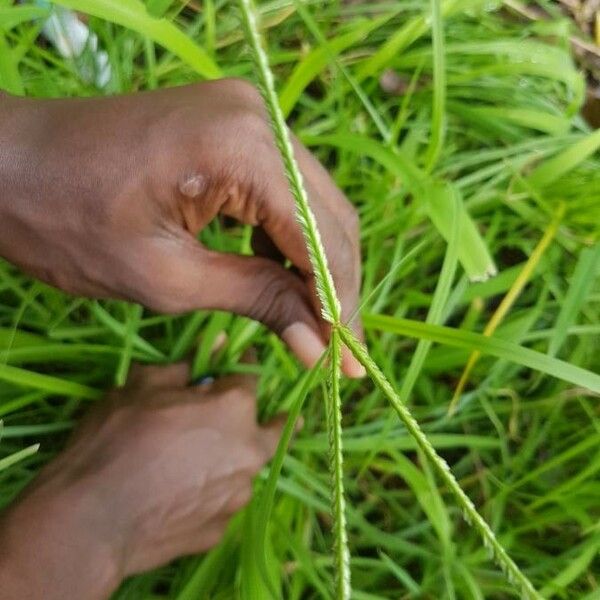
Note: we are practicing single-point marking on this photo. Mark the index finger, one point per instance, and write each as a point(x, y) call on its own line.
point(338, 225)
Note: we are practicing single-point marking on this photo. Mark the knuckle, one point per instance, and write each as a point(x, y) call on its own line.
point(243, 89)
point(252, 125)
point(160, 134)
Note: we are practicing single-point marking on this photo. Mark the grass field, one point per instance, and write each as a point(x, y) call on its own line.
point(419, 110)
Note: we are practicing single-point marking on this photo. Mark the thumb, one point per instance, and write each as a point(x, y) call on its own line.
point(255, 287)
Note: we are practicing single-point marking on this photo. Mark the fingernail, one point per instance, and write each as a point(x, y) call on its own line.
point(350, 366)
point(305, 343)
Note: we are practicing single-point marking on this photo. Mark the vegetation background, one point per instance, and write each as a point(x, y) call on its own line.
point(412, 105)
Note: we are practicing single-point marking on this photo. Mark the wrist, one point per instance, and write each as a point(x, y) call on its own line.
point(53, 547)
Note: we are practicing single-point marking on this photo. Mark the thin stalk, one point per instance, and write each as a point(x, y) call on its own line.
point(438, 116)
point(334, 429)
point(470, 514)
point(330, 304)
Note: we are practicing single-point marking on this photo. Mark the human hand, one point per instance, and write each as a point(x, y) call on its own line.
point(104, 197)
point(152, 473)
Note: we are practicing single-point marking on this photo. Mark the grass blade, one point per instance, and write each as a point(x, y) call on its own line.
point(120, 331)
point(473, 252)
point(316, 60)
point(438, 110)
point(10, 78)
point(324, 45)
point(47, 383)
point(11, 16)
point(134, 315)
point(556, 167)
point(9, 461)
point(584, 276)
point(296, 398)
point(497, 347)
point(509, 299)
point(434, 315)
point(440, 297)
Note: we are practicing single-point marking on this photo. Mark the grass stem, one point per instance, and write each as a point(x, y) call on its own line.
point(470, 514)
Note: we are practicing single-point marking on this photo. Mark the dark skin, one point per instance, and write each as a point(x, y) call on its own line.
point(152, 473)
point(104, 198)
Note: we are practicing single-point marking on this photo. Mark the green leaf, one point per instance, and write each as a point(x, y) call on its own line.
point(486, 345)
point(427, 495)
point(532, 119)
point(157, 8)
point(47, 383)
point(473, 252)
point(16, 457)
point(587, 552)
point(584, 277)
point(406, 35)
point(134, 314)
point(434, 315)
point(556, 167)
point(10, 78)
point(438, 108)
point(256, 583)
point(318, 58)
point(11, 16)
point(296, 399)
point(122, 332)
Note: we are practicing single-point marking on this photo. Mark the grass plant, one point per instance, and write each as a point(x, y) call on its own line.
point(459, 171)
